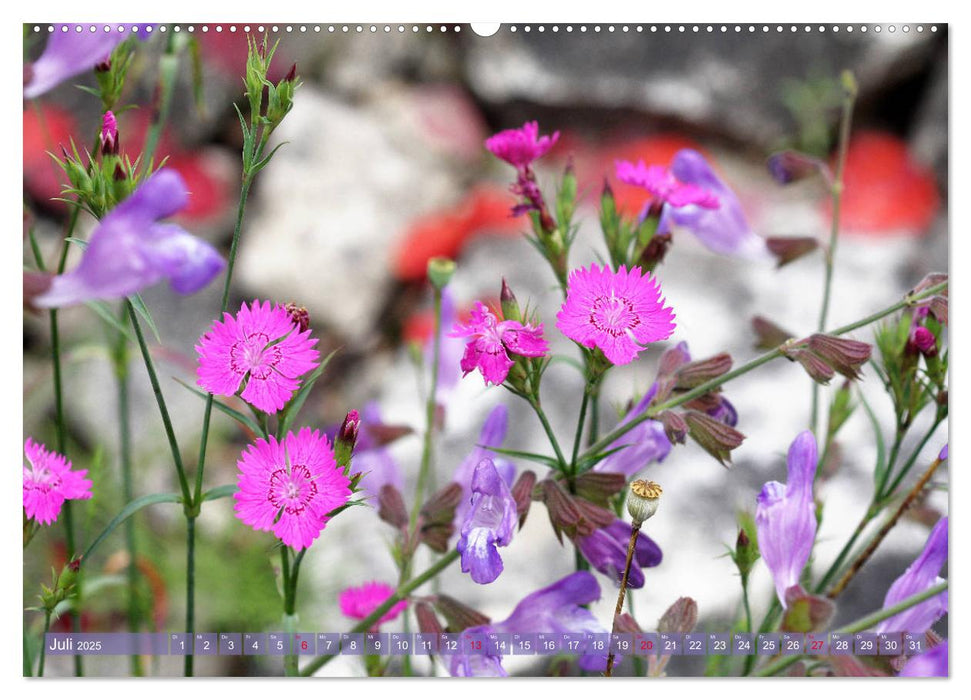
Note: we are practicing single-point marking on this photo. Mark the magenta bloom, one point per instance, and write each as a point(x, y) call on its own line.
point(618, 312)
point(723, 229)
point(663, 186)
point(785, 517)
point(493, 341)
point(489, 524)
point(606, 550)
point(919, 576)
point(260, 351)
point(69, 53)
point(130, 250)
point(520, 147)
point(360, 601)
point(556, 608)
point(288, 487)
point(109, 133)
point(49, 481)
point(932, 663)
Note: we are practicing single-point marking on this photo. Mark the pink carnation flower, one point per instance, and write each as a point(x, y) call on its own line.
point(261, 350)
point(49, 481)
point(520, 147)
point(288, 487)
point(664, 186)
point(359, 602)
point(493, 340)
point(618, 312)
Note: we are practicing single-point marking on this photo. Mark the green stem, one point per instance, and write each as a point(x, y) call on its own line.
point(400, 594)
point(836, 193)
point(290, 667)
point(841, 557)
point(534, 402)
point(160, 400)
point(43, 643)
point(190, 588)
point(120, 361)
point(860, 625)
point(430, 406)
point(578, 435)
point(745, 604)
point(652, 411)
point(167, 68)
point(909, 463)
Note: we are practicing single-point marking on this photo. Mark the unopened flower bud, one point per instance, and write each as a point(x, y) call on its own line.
point(391, 507)
point(656, 250)
point(642, 500)
point(674, 426)
point(746, 553)
point(119, 175)
point(717, 438)
point(438, 516)
point(459, 616)
point(768, 335)
point(103, 67)
point(844, 355)
point(299, 315)
point(522, 493)
point(681, 617)
point(938, 306)
point(560, 506)
point(789, 248)
point(440, 271)
point(347, 438)
point(790, 166)
point(510, 307)
point(696, 373)
point(922, 340)
point(109, 135)
point(943, 454)
point(427, 621)
point(815, 367)
point(291, 74)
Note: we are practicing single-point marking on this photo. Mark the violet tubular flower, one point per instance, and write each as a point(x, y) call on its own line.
point(785, 517)
point(493, 341)
point(643, 445)
point(130, 250)
point(489, 524)
point(618, 312)
point(492, 434)
point(558, 608)
point(69, 53)
point(918, 577)
point(724, 229)
point(606, 550)
point(932, 663)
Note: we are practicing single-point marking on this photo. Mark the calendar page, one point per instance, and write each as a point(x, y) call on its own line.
point(466, 350)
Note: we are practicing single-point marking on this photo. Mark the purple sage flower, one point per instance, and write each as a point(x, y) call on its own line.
point(556, 609)
point(723, 230)
point(943, 455)
point(785, 517)
point(69, 53)
point(489, 524)
point(492, 434)
point(131, 250)
point(919, 576)
point(646, 443)
point(452, 350)
point(931, 663)
point(606, 550)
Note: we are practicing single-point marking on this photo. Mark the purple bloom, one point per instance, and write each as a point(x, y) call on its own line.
point(785, 517)
point(646, 443)
point(723, 230)
point(606, 550)
point(489, 524)
point(931, 663)
point(492, 434)
point(556, 608)
point(943, 455)
point(69, 53)
point(131, 250)
point(493, 341)
point(452, 350)
point(918, 577)
point(520, 147)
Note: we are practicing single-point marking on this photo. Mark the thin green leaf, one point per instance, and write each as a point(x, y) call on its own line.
point(80, 242)
point(881, 466)
point(220, 492)
point(567, 360)
point(242, 418)
point(127, 512)
point(108, 316)
point(34, 246)
point(550, 462)
point(195, 56)
point(139, 306)
point(298, 400)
